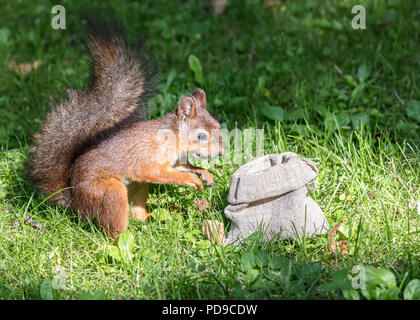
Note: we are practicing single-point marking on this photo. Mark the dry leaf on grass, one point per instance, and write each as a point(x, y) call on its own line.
point(28, 220)
point(274, 4)
point(23, 68)
point(311, 186)
point(334, 231)
point(34, 224)
point(214, 231)
point(202, 204)
point(341, 245)
point(219, 6)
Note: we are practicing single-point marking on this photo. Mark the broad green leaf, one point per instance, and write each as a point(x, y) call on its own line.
point(238, 292)
point(263, 284)
point(351, 294)
point(350, 80)
point(357, 93)
point(341, 94)
point(287, 271)
point(409, 128)
point(197, 267)
point(310, 271)
point(126, 243)
point(201, 267)
point(204, 245)
point(296, 287)
point(390, 294)
point(278, 262)
point(336, 121)
point(4, 36)
point(261, 258)
point(112, 252)
point(340, 281)
point(192, 236)
point(261, 83)
point(343, 231)
point(251, 275)
point(381, 276)
point(372, 292)
point(247, 261)
point(336, 25)
point(413, 109)
point(299, 128)
point(46, 289)
point(363, 73)
point(412, 290)
point(192, 265)
point(273, 113)
point(295, 114)
point(195, 66)
point(358, 119)
point(171, 76)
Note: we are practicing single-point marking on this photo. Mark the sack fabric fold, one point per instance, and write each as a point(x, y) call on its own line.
point(270, 195)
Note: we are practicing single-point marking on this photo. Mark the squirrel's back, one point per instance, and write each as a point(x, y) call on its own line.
point(119, 82)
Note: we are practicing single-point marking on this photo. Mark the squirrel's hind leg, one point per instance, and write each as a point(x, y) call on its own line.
point(138, 193)
point(105, 200)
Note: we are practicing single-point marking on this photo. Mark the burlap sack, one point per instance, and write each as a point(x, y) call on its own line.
point(269, 194)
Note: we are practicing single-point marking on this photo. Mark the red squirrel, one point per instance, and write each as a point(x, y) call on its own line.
point(98, 138)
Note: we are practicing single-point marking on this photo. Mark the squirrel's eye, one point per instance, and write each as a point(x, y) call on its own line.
point(202, 136)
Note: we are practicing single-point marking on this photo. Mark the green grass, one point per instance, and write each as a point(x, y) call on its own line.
point(345, 99)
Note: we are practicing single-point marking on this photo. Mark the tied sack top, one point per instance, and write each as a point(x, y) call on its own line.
point(270, 176)
point(269, 194)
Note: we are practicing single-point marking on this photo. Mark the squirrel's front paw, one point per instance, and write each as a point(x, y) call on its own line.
point(207, 178)
point(194, 182)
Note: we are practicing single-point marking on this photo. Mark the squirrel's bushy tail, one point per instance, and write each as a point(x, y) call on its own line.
point(118, 83)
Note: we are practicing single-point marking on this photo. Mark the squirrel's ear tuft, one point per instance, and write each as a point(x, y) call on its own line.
point(200, 96)
point(186, 108)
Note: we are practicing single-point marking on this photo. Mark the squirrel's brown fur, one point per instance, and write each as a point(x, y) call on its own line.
point(95, 139)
